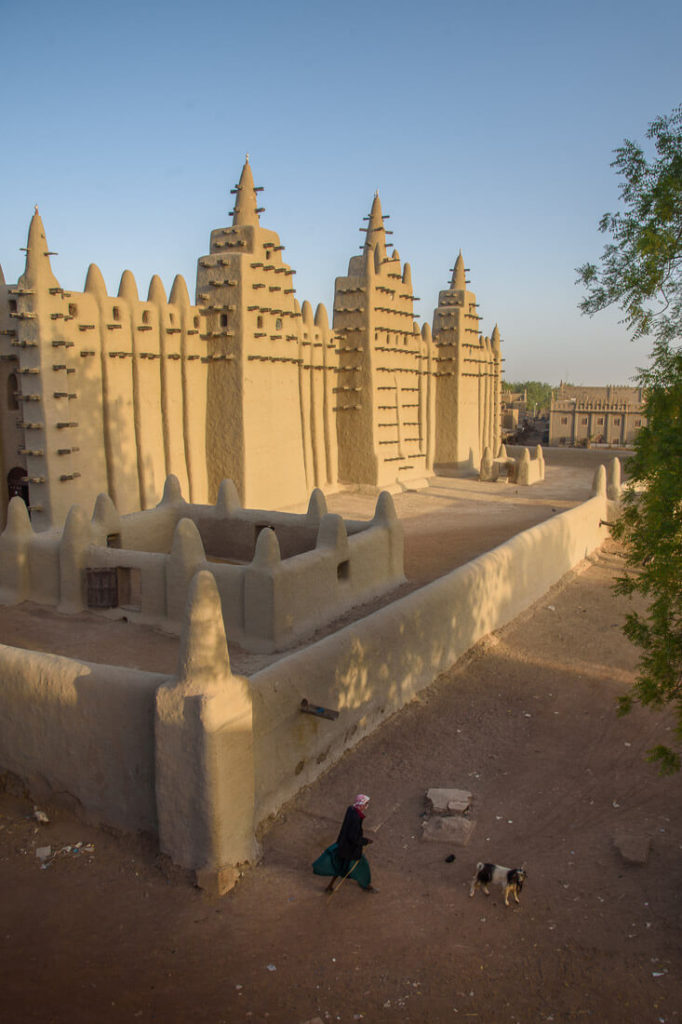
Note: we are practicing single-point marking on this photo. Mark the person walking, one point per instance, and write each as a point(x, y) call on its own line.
point(345, 857)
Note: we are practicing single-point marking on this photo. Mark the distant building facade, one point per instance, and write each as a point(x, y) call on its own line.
point(112, 394)
point(601, 415)
point(513, 410)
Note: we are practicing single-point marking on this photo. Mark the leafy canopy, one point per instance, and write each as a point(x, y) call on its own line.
point(537, 392)
point(641, 267)
point(641, 272)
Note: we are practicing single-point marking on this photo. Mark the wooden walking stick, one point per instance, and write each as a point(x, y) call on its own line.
point(350, 871)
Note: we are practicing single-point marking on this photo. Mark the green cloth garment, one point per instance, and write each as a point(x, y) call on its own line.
point(329, 863)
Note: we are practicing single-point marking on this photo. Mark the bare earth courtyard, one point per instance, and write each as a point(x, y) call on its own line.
point(526, 722)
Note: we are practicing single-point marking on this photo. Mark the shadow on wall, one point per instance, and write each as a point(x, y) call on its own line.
point(143, 563)
point(83, 730)
point(373, 667)
point(226, 753)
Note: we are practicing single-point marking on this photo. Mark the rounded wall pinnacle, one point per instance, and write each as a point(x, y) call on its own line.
point(157, 293)
point(127, 289)
point(94, 282)
point(179, 295)
point(321, 317)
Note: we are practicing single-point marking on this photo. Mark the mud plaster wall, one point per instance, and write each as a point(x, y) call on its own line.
point(92, 730)
point(81, 729)
point(267, 603)
point(372, 668)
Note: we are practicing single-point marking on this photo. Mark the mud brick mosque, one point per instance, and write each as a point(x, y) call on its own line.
point(113, 394)
point(183, 423)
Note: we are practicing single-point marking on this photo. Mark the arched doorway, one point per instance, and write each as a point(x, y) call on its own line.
point(17, 484)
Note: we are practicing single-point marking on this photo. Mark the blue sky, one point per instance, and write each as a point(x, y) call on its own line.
point(488, 127)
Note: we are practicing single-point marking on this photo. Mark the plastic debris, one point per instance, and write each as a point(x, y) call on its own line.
point(271, 967)
point(40, 816)
point(43, 852)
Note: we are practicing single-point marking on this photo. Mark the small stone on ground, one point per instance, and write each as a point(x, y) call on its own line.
point(448, 801)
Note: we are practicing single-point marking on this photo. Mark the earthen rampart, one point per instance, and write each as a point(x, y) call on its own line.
point(222, 753)
point(280, 576)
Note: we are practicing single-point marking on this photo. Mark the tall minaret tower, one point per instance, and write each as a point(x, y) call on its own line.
point(254, 423)
point(59, 472)
point(382, 424)
point(464, 390)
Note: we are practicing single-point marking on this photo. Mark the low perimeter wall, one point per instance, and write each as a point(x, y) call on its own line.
point(372, 668)
point(204, 758)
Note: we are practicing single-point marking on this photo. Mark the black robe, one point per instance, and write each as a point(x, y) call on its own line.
point(350, 839)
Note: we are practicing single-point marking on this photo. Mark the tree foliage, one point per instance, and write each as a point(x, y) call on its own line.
point(537, 393)
point(641, 272)
point(641, 267)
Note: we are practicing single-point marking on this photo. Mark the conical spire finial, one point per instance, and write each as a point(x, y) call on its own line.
point(38, 269)
point(375, 236)
point(246, 204)
point(458, 280)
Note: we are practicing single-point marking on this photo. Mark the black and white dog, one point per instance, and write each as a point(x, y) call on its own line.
point(510, 880)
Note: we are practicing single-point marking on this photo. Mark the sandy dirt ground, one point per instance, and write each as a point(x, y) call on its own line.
point(109, 931)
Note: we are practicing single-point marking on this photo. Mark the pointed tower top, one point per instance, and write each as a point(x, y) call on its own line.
point(458, 280)
point(246, 204)
point(375, 235)
point(38, 269)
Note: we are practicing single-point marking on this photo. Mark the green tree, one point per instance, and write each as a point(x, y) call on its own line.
point(538, 393)
point(641, 272)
